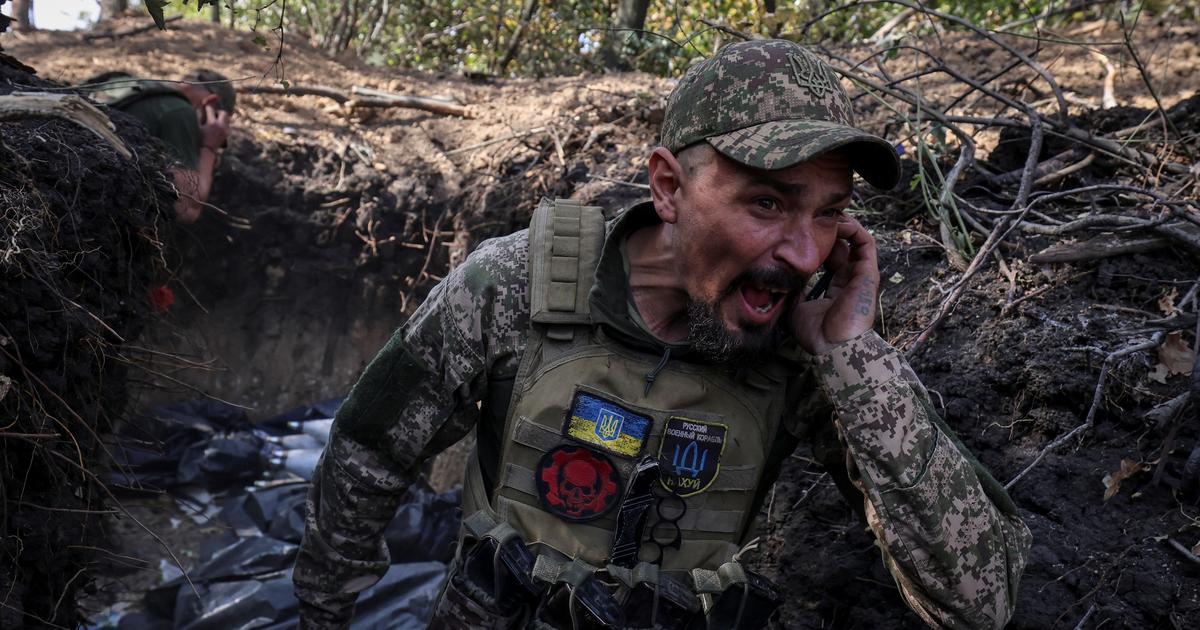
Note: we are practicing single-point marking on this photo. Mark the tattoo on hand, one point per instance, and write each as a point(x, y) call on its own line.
point(862, 304)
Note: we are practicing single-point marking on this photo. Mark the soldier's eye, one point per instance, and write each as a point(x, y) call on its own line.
point(767, 203)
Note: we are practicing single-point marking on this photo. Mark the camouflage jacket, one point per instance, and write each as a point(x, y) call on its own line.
point(949, 534)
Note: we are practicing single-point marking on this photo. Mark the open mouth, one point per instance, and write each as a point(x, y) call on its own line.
point(761, 299)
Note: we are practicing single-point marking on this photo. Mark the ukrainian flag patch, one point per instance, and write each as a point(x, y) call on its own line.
point(606, 425)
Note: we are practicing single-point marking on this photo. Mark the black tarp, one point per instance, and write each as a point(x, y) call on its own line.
point(243, 576)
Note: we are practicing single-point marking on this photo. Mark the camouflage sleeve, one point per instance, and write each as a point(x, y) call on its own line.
point(949, 533)
point(414, 399)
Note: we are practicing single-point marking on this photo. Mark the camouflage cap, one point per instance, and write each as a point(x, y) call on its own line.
point(215, 83)
point(770, 104)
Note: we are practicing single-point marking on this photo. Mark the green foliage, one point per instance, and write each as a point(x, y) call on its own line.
point(568, 36)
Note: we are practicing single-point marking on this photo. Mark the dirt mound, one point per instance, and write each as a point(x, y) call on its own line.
point(352, 214)
point(80, 248)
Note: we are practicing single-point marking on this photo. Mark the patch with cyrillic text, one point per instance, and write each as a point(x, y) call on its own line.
point(606, 425)
point(689, 457)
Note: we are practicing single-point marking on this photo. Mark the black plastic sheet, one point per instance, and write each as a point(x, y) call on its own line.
point(243, 579)
point(199, 442)
point(402, 599)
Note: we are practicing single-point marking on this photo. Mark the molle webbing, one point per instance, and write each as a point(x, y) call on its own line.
point(564, 249)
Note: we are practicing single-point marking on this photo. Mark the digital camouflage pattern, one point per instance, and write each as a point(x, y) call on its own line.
point(416, 398)
point(948, 533)
point(770, 104)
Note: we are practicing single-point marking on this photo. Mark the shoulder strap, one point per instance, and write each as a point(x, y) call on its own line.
point(565, 239)
point(119, 92)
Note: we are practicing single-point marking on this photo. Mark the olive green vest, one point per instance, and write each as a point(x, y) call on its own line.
point(567, 354)
point(119, 90)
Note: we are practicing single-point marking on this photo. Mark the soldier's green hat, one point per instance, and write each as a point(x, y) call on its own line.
point(215, 83)
point(770, 104)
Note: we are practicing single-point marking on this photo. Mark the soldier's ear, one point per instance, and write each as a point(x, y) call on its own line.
point(666, 178)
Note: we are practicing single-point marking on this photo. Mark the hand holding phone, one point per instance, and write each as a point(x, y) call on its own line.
point(847, 307)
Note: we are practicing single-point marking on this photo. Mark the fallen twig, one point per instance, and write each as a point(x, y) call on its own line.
point(91, 37)
point(1184, 551)
point(1107, 100)
point(1103, 247)
point(66, 106)
point(1044, 168)
point(1050, 178)
point(486, 143)
point(359, 96)
point(298, 90)
point(380, 98)
point(998, 233)
point(620, 182)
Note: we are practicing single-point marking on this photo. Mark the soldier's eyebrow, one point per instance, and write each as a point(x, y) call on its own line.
point(780, 186)
point(790, 189)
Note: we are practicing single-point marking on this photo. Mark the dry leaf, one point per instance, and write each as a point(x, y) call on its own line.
point(1112, 481)
point(1166, 302)
point(896, 278)
point(1174, 357)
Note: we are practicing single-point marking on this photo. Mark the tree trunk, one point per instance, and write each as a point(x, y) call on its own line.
point(514, 44)
point(112, 9)
point(500, 9)
point(350, 27)
point(330, 36)
point(215, 16)
point(22, 15)
point(631, 18)
point(380, 13)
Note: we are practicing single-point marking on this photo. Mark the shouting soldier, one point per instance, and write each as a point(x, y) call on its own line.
point(634, 387)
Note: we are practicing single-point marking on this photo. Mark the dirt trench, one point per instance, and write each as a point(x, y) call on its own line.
point(351, 221)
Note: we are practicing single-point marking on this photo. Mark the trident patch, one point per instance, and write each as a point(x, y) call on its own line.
point(810, 74)
point(689, 456)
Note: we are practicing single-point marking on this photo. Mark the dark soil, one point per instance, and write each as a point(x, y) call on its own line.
point(80, 229)
point(1008, 385)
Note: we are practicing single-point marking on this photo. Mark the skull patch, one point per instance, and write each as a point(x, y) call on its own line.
point(577, 484)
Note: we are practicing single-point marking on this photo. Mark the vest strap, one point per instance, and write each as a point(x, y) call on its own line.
point(483, 525)
point(535, 435)
point(552, 570)
point(642, 573)
point(709, 582)
point(479, 523)
point(565, 239)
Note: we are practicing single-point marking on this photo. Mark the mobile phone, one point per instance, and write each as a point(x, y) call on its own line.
point(822, 284)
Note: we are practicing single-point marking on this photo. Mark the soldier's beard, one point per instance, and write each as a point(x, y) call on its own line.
point(716, 342)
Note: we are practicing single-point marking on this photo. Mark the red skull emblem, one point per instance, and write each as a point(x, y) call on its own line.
point(577, 484)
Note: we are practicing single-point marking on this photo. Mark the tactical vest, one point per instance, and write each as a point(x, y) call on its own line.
point(576, 387)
